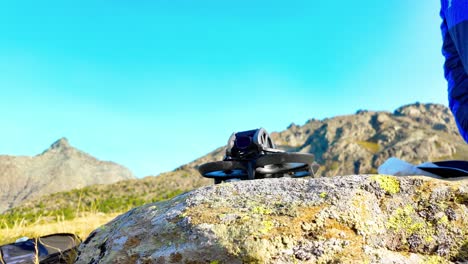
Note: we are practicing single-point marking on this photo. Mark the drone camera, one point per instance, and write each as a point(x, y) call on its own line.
point(243, 142)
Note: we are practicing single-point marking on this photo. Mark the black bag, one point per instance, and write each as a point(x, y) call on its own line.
point(55, 248)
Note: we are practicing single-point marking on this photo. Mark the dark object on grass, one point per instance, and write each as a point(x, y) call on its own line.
point(253, 155)
point(50, 249)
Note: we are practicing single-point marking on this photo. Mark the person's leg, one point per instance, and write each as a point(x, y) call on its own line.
point(455, 49)
point(456, 17)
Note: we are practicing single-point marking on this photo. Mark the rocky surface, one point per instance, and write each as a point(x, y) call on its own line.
point(349, 219)
point(61, 167)
point(360, 143)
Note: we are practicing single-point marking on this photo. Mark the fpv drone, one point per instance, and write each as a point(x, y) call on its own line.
point(253, 155)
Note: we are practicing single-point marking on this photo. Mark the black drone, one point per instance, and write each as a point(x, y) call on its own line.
point(253, 155)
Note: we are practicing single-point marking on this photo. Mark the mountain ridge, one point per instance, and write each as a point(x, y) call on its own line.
point(60, 167)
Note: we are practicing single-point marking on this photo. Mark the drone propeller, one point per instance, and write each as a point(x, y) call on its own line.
point(223, 169)
point(294, 164)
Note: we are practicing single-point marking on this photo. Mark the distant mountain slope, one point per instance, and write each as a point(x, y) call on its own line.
point(61, 167)
point(360, 143)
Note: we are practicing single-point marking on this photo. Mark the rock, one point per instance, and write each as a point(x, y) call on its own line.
point(349, 219)
point(59, 145)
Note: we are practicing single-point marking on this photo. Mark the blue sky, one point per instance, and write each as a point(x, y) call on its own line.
point(155, 84)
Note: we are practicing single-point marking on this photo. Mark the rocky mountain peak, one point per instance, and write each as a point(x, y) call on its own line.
point(62, 143)
point(59, 146)
point(418, 109)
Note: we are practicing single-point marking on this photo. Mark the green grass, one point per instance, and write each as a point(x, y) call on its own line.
point(107, 199)
point(372, 147)
point(106, 205)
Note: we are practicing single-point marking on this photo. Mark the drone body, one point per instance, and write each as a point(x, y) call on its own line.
point(253, 155)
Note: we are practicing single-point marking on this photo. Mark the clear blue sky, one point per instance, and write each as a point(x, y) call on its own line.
point(154, 84)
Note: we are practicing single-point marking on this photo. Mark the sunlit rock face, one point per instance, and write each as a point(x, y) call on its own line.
point(348, 219)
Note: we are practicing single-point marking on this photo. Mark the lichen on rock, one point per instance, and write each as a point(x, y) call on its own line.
point(388, 183)
point(348, 219)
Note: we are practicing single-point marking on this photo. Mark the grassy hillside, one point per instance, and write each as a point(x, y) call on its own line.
point(98, 199)
point(81, 226)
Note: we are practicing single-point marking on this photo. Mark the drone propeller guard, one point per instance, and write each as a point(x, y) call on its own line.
point(253, 155)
